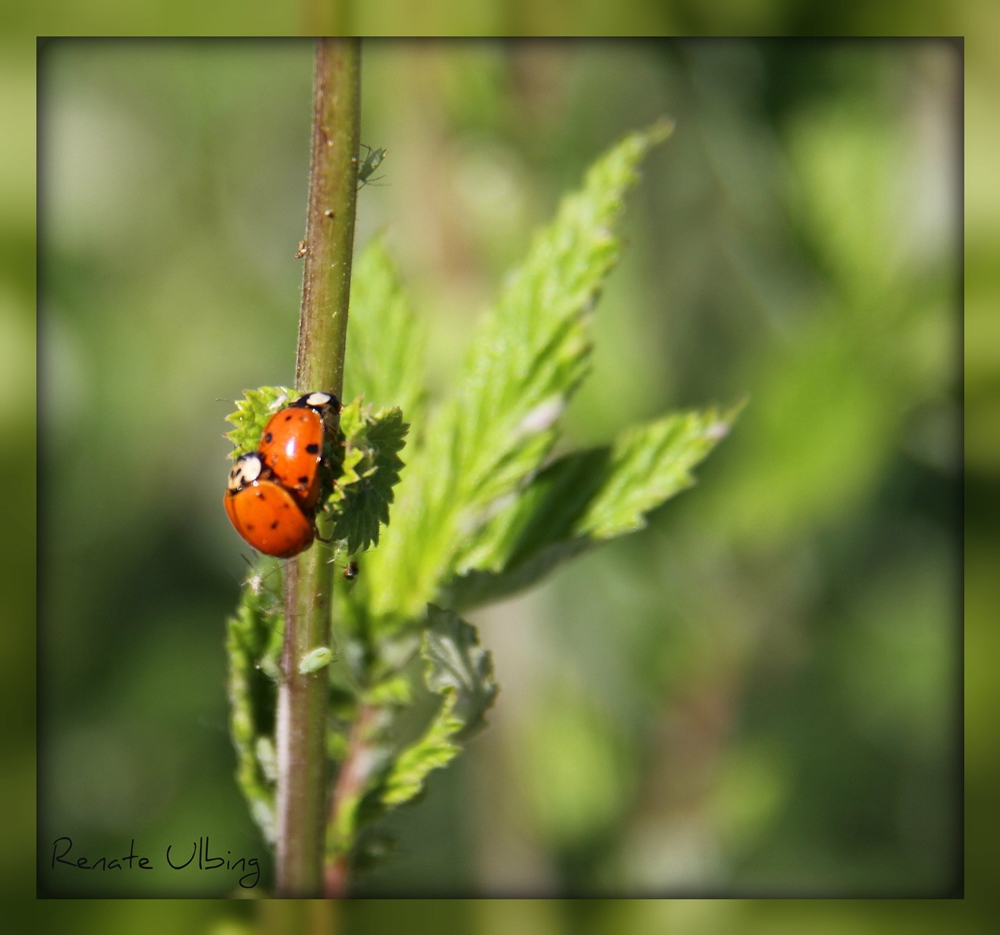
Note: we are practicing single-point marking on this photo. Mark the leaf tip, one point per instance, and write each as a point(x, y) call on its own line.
point(660, 129)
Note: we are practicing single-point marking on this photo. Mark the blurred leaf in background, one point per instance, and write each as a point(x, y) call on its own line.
point(756, 695)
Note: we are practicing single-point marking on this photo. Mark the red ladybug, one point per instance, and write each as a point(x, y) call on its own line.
point(264, 513)
point(291, 445)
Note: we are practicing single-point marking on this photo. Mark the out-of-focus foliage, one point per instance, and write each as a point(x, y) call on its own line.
point(758, 695)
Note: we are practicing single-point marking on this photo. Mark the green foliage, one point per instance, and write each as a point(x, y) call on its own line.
point(434, 749)
point(368, 472)
point(482, 508)
point(253, 645)
point(582, 499)
point(385, 338)
point(486, 443)
point(458, 670)
point(391, 758)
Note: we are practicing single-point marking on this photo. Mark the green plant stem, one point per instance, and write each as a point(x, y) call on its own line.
point(303, 699)
point(329, 243)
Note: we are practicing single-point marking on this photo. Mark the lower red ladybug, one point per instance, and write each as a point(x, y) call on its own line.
point(264, 513)
point(291, 445)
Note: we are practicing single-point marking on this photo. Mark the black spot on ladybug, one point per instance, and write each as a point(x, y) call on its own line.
point(268, 437)
point(312, 449)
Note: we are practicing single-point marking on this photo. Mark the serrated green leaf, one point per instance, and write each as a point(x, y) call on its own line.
point(649, 464)
point(461, 672)
point(583, 499)
point(369, 471)
point(534, 349)
point(253, 645)
point(385, 338)
point(529, 357)
point(457, 665)
point(435, 749)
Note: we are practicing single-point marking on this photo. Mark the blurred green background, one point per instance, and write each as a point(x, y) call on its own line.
point(760, 694)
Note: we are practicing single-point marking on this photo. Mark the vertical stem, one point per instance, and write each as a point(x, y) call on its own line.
point(330, 223)
point(303, 699)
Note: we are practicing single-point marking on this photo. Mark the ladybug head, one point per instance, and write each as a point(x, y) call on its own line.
point(247, 469)
point(319, 401)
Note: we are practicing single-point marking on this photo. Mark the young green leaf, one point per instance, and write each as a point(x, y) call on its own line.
point(435, 749)
point(582, 500)
point(535, 348)
point(368, 473)
point(386, 339)
point(253, 645)
point(390, 756)
point(531, 354)
point(460, 671)
point(457, 666)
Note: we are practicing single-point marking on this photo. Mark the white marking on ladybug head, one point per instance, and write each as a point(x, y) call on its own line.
point(316, 400)
point(246, 470)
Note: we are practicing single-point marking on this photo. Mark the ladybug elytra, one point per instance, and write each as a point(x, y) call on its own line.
point(291, 445)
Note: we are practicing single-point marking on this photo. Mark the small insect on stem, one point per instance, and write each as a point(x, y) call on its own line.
point(315, 659)
point(371, 162)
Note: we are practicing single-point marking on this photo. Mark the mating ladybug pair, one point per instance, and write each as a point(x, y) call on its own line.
point(272, 492)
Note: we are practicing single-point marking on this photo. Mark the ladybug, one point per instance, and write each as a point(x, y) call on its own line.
point(264, 513)
point(291, 445)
